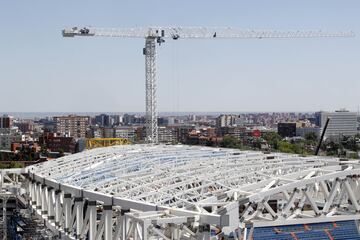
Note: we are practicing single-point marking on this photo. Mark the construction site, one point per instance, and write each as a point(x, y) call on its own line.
point(153, 191)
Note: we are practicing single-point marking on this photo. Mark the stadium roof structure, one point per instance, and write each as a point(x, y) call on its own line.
point(196, 186)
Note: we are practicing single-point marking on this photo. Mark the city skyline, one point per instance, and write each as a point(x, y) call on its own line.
point(107, 75)
point(39, 115)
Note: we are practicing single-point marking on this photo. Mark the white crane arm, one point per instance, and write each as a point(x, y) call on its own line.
point(198, 33)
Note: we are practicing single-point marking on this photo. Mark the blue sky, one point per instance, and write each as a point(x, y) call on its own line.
point(41, 71)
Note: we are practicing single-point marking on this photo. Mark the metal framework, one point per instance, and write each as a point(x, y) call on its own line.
point(9, 185)
point(184, 192)
point(155, 35)
point(150, 91)
point(105, 142)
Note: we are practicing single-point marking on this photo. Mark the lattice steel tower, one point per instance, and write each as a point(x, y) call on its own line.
point(150, 91)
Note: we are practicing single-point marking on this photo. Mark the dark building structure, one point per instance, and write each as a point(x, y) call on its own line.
point(287, 129)
point(6, 121)
point(103, 120)
point(129, 119)
point(140, 133)
point(162, 121)
point(182, 133)
point(25, 127)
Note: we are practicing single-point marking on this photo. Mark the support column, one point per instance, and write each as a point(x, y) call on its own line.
point(251, 233)
point(2, 179)
point(108, 222)
point(175, 231)
point(51, 209)
point(134, 229)
point(29, 191)
point(204, 232)
point(4, 202)
point(67, 211)
point(351, 194)
point(145, 225)
point(5, 199)
point(245, 234)
point(123, 223)
point(92, 220)
point(44, 197)
point(79, 215)
point(357, 225)
point(32, 202)
point(57, 209)
point(38, 196)
point(33, 189)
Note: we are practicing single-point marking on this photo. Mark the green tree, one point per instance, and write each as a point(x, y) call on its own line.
point(286, 147)
point(61, 152)
point(230, 142)
point(43, 150)
point(16, 165)
point(351, 144)
point(3, 166)
point(311, 136)
point(209, 143)
point(273, 139)
point(332, 148)
point(256, 143)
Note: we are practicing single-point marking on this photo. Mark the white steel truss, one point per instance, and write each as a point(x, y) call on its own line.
point(183, 192)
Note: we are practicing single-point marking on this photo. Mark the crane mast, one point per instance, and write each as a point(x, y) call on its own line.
point(157, 35)
point(151, 116)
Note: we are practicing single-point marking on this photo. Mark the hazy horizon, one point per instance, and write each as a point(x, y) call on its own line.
point(32, 115)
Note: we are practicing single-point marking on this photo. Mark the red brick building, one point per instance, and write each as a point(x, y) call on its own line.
point(58, 144)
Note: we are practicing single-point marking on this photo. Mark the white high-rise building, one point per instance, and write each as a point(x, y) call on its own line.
point(225, 120)
point(8, 136)
point(342, 123)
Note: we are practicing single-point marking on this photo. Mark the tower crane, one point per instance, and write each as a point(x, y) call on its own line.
point(157, 35)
